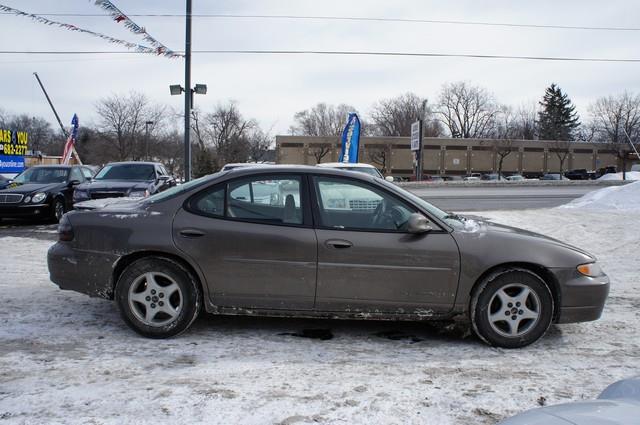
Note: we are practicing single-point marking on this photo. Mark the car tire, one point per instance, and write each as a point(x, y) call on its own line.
point(511, 308)
point(158, 297)
point(57, 209)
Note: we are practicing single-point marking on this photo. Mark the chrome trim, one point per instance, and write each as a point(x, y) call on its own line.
point(11, 198)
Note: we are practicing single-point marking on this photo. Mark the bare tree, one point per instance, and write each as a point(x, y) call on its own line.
point(378, 155)
point(259, 144)
point(467, 111)
point(612, 119)
point(525, 121)
point(322, 120)
point(393, 117)
point(561, 149)
point(320, 151)
point(121, 122)
point(41, 135)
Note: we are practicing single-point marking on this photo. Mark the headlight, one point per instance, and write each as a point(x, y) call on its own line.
point(79, 195)
point(590, 269)
point(139, 194)
point(38, 197)
point(27, 199)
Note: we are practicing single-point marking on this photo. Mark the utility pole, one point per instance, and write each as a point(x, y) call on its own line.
point(64, 131)
point(187, 96)
point(146, 137)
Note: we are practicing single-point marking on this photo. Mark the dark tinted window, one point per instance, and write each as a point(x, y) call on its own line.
point(269, 199)
point(127, 172)
point(272, 200)
point(210, 202)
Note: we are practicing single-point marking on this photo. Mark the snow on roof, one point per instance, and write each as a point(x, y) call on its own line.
point(625, 197)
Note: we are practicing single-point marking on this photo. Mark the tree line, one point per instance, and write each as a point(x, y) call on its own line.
point(131, 127)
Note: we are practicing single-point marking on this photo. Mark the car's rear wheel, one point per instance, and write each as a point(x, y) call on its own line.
point(511, 309)
point(158, 297)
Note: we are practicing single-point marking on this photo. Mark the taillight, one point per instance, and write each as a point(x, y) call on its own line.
point(65, 231)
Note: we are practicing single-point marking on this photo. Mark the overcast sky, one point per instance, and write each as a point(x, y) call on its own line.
point(271, 88)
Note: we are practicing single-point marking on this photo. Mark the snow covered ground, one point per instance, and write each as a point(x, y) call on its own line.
point(66, 358)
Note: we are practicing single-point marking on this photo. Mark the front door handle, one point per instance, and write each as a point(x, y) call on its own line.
point(338, 243)
point(191, 233)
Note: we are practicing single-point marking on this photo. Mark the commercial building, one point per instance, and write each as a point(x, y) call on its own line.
point(446, 156)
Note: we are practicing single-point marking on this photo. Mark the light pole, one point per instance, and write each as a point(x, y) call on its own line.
point(146, 136)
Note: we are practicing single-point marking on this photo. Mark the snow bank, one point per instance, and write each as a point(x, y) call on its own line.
point(631, 175)
point(625, 197)
point(69, 359)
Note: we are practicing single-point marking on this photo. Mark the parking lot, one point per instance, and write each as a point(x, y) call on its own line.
point(65, 357)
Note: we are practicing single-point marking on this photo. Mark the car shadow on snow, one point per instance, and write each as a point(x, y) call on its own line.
point(334, 329)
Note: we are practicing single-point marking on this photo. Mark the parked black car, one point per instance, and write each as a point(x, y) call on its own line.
point(43, 191)
point(580, 174)
point(125, 179)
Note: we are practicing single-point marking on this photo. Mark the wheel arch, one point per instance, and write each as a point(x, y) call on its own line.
point(538, 270)
point(125, 261)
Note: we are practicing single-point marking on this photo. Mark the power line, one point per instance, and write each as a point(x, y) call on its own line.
point(336, 53)
point(357, 19)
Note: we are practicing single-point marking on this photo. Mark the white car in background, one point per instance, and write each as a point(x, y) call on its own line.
point(358, 167)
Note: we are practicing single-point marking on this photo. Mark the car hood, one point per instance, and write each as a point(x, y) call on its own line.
point(496, 227)
point(596, 412)
point(493, 243)
point(116, 185)
point(27, 188)
point(109, 204)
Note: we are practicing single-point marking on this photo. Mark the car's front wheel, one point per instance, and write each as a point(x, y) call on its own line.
point(157, 297)
point(58, 209)
point(511, 309)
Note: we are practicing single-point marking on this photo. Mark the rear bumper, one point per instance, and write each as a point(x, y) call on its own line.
point(582, 298)
point(85, 272)
point(25, 211)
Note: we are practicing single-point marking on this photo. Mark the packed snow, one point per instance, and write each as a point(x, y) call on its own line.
point(630, 175)
point(68, 359)
point(625, 197)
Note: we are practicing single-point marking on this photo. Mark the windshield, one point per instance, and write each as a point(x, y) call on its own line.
point(176, 190)
point(127, 172)
point(43, 175)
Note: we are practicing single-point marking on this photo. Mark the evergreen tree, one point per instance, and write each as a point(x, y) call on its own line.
point(558, 117)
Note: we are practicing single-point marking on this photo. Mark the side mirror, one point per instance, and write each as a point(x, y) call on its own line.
point(418, 224)
point(163, 179)
point(389, 178)
point(73, 183)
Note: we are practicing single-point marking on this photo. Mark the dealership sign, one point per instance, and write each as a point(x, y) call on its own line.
point(13, 147)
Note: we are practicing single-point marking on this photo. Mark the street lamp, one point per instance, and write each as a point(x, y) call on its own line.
point(177, 89)
point(146, 136)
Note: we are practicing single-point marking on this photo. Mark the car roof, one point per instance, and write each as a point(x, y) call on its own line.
point(345, 165)
point(133, 163)
point(54, 166)
point(291, 168)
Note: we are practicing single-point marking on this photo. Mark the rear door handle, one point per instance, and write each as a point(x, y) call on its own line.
point(191, 233)
point(338, 243)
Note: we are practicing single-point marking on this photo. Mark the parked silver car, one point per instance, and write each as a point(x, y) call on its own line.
point(618, 404)
point(318, 242)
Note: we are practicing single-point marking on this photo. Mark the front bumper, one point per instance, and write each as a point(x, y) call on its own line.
point(582, 298)
point(81, 271)
point(24, 210)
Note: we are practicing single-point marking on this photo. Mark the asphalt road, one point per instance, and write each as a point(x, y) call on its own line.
point(451, 198)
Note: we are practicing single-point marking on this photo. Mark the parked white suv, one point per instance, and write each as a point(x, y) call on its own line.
point(359, 167)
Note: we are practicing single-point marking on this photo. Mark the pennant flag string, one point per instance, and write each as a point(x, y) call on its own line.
point(133, 46)
point(120, 17)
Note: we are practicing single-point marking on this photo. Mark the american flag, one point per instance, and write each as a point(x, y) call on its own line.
point(68, 147)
